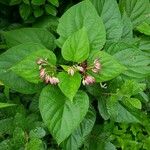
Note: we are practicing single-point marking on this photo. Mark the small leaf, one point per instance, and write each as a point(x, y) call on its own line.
point(25, 11)
point(54, 2)
point(69, 85)
point(50, 9)
point(135, 102)
point(61, 115)
point(144, 28)
point(38, 132)
point(76, 47)
point(110, 68)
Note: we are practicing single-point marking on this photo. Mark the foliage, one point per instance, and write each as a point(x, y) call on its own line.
point(74, 74)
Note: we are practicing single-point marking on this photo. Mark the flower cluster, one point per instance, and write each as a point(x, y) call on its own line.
point(45, 75)
point(82, 68)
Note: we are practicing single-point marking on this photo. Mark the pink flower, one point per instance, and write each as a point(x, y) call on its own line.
point(88, 80)
point(81, 69)
point(54, 80)
point(47, 79)
point(97, 64)
point(71, 71)
point(42, 73)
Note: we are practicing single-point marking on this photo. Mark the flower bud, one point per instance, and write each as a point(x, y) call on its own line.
point(81, 69)
point(71, 71)
point(40, 61)
point(42, 73)
point(88, 80)
point(97, 64)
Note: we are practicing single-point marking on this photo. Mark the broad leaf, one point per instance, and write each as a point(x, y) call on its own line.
point(137, 10)
point(76, 139)
point(61, 115)
point(127, 32)
point(135, 102)
point(109, 11)
point(79, 16)
point(136, 61)
point(110, 68)
point(10, 58)
point(24, 35)
point(28, 69)
point(69, 85)
point(76, 47)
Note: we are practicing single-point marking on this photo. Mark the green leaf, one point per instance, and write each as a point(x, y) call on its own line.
point(38, 12)
point(18, 138)
point(50, 9)
point(10, 58)
point(76, 47)
point(122, 113)
point(130, 87)
point(137, 10)
point(3, 105)
point(109, 11)
point(35, 144)
point(82, 15)
point(144, 45)
point(76, 139)
point(61, 115)
point(25, 11)
point(69, 85)
point(135, 102)
point(110, 68)
point(144, 28)
point(136, 61)
point(127, 27)
point(38, 2)
point(38, 132)
point(24, 35)
point(28, 69)
point(54, 2)
point(102, 107)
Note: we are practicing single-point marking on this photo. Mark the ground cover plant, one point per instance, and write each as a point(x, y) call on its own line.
point(75, 75)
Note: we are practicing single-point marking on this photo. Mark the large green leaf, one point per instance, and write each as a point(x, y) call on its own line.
point(28, 69)
point(61, 115)
point(109, 11)
point(76, 139)
point(24, 35)
point(136, 61)
point(110, 68)
point(68, 84)
point(10, 58)
point(137, 10)
point(127, 32)
point(76, 47)
point(79, 16)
